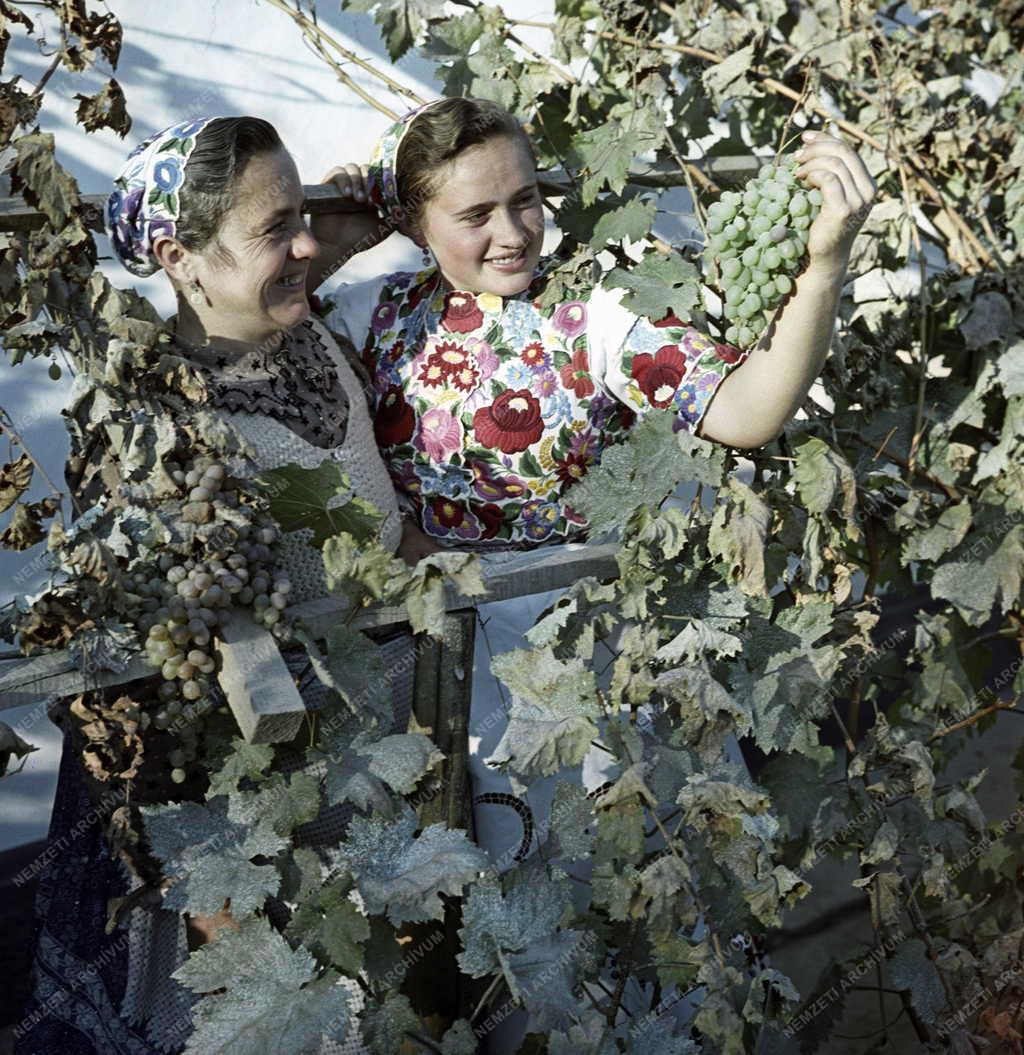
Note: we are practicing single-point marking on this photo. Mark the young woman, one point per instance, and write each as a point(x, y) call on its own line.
point(488, 407)
point(216, 204)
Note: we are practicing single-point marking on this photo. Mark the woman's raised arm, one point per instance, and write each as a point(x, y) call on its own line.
point(756, 400)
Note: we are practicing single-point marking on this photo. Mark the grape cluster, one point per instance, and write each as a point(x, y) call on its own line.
point(184, 596)
point(757, 239)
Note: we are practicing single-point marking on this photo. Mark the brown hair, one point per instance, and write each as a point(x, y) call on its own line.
point(223, 150)
point(438, 135)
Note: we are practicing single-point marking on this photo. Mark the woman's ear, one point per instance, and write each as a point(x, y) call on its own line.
point(174, 258)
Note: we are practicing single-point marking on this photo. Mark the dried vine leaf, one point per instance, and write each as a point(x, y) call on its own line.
point(15, 478)
point(105, 109)
point(24, 529)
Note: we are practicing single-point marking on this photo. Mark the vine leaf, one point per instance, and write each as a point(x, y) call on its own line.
point(632, 220)
point(244, 760)
point(312, 498)
point(911, 969)
point(739, 529)
point(401, 21)
point(553, 715)
point(12, 744)
point(517, 934)
point(402, 875)
point(660, 283)
point(384, 1025)
point(330, 925)
point(43, 183)
point(15, 479)
point(24, 529)
point(282, 803)
point(359, 769)
point(824, 479)
point(105, 109)
point(273, 999)
point(642, 471)
point(210, 857)
point(460, 1039)
point(728, 79)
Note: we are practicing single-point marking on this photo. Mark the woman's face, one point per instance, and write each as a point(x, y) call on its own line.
point(262, 288)
point(485, 222)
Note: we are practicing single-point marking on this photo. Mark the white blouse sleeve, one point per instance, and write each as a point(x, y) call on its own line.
point(353, 305)
point(647, 364)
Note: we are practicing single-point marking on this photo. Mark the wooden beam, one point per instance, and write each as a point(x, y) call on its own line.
point(17, 216)
point(260, 689)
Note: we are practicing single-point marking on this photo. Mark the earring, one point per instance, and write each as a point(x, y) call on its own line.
point(428, 257)
point(196, 296)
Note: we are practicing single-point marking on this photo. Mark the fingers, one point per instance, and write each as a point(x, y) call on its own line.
point(825, 150)
point(349, 180)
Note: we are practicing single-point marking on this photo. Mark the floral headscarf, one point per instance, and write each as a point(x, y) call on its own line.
point(382, 183)
point(144, 202)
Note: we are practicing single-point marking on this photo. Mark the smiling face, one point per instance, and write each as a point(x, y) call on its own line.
point(258, 286)
point(485, 223)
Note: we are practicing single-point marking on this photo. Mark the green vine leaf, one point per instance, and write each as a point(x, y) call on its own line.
point(273, 999)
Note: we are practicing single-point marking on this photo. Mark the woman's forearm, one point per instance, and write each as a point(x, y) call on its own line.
point(756, 400)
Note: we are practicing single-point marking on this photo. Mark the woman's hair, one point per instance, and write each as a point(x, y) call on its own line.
point(224, 148)
point(437, 136)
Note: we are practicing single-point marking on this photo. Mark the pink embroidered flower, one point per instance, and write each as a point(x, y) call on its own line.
point(545, 383)
point(571, 318)
point(439, 434)
point(484, 359)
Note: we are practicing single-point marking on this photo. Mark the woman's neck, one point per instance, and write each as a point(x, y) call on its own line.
point(227, 343)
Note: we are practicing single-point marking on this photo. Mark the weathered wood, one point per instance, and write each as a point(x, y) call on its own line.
point(514, 573)
point(506, 575)
point(17, 215)
point(51, 676)
point(259, 687)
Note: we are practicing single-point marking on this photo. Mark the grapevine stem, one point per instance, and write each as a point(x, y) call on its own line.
point(490, 991)
point(10, 429)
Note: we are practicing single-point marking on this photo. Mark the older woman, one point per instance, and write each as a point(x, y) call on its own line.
point(489, 407)
point(216, 204)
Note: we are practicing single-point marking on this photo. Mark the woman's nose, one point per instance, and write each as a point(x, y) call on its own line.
point(509, 229)
point(304, 245)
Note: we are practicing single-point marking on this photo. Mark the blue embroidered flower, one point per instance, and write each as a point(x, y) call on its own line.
point(444, 479)
point(520, 322)
point(556, 409)
point(518, 375)
point(540, 518)
point(168, 175)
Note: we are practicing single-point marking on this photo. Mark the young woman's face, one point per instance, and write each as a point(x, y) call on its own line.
point(485, 222)
point(262, 288)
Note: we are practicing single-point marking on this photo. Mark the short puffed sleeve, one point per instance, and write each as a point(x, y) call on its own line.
point(647, 364)
point(353, 304)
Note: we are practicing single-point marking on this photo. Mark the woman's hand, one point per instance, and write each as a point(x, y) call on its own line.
point(847, 191)
point(343, 234)
point(415, 545)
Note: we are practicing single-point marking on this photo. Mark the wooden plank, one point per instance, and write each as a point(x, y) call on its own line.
point(16, 215)
point(506, 575)
point(27, 681)
point(260, 689)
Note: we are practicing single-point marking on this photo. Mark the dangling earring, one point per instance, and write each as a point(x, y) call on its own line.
point(428, 257)
point(196, 296)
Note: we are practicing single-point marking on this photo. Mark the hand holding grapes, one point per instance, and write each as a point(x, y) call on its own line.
point(847, 192)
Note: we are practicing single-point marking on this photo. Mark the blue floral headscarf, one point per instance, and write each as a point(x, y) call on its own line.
point(145, 200)
point(382, 182)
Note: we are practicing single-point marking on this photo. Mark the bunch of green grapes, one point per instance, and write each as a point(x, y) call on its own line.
point(757, 239)
point(183, 597)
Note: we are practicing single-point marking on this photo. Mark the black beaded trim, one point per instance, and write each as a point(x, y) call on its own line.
point(501, 798)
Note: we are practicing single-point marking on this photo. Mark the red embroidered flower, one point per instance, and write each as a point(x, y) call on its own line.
point(511, 423)
point(490, 516)
point(573, 468)
point(394, 421)
point(727, 353)
point(659, 375)
point(417, 292)
point(670, 319)
point(533, 354)
point(575, 375)
point(449, 363)
point(461, 313)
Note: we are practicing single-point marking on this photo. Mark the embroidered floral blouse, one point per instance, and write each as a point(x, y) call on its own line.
point(488, 409)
